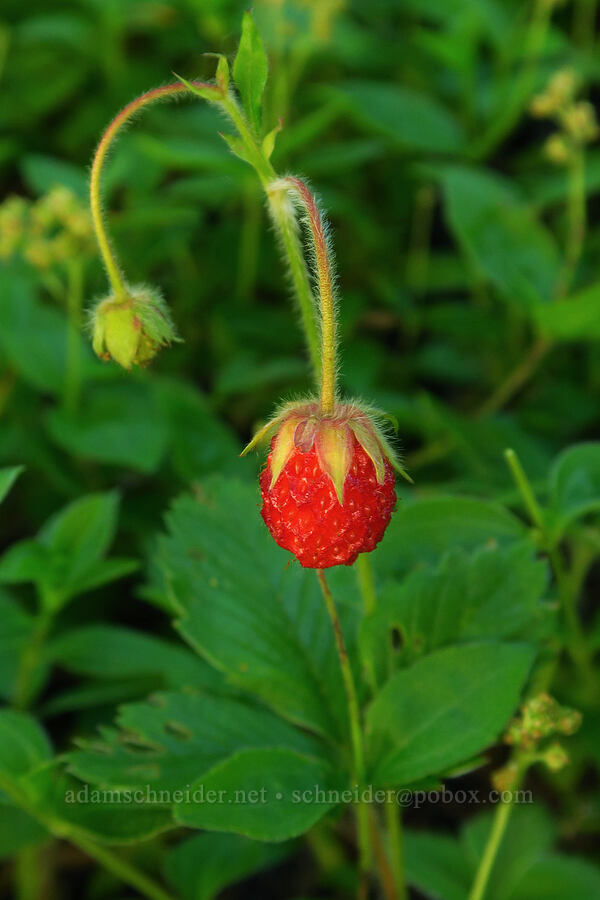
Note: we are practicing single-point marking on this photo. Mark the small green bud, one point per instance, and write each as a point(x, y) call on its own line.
point(132, 329)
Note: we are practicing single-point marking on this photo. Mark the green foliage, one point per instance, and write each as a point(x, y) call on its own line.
point(250, 70)
point(446, 707)
point(200, 657)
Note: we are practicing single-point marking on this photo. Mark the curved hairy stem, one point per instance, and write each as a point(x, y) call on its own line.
point(110, 260)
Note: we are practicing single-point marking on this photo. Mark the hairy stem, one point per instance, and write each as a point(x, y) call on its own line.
point(326, 296)
point(110, 260)
point(358, 759)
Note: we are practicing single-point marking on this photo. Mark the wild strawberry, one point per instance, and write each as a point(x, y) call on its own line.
point(328, 485)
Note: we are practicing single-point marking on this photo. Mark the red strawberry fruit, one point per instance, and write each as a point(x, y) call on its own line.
point(328, 485)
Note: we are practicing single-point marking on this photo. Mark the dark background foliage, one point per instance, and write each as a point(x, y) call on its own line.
point(451, 225)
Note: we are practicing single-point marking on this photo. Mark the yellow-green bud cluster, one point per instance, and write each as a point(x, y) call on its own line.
point(575, 118)
point(47, 232)
point(539, 718)
point(132, 328)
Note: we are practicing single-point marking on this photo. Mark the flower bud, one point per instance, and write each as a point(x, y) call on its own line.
point(131, 329)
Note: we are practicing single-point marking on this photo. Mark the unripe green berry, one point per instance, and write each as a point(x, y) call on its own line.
point(131, 329)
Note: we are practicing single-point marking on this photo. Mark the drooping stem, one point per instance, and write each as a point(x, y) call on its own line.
point(326, 293)
point(110, 260)
point(358, 758)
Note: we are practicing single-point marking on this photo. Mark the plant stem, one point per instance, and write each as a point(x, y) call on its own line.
point(358, 759)
point(515, 379)
point(568, 584)
point(576, 220)
point(286, 226)
point(394, 832)
point(123, 870)
point(326, 295)
point(72, 386)
point(24, 686)
point(499, 823)
point(63, 830)
point(110, 260)
point(29, 874)
point(366, 582)
point(525, 489)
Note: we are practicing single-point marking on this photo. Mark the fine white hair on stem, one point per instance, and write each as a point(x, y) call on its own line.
point(318, 247)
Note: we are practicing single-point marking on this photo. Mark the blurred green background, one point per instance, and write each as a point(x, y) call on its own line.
point(452, 228)
point(464, 217)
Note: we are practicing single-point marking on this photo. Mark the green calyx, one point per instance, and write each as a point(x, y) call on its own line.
point(303, 426)
point(132, 329)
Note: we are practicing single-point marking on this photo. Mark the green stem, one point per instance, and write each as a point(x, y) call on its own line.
point(63, 830)
point(72, 386)
point(366, 583)
point(568, 584)
point(108, 255)
point(326, 295)
point(285, 223)
point(524, 485)
point(576, 220)
point(499, 823)
point(394, 832)
point(362, 810)
point(25, 686)
point(123, 870)
point(29, 874)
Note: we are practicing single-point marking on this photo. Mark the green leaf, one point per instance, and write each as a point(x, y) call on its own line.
point(434, 865)
point(119, 424)
point(411, 119)
point(41, 173)
point(574, 485)
point(201, 867)
point(495, 593)
point(7, 479)
point(269, 795)
point(66, 558)
point(528, 840)
point(574, 318)
point(113, 652)
point(422, 530)
point(500, 235)
point(173, 740)
point(262, 621)
point(15, 633)
point(17, 830)
point(447, 707)
point(250, 70)
point(23, 744)
point(33, 335)
point(236, 145)
point(558, 877)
